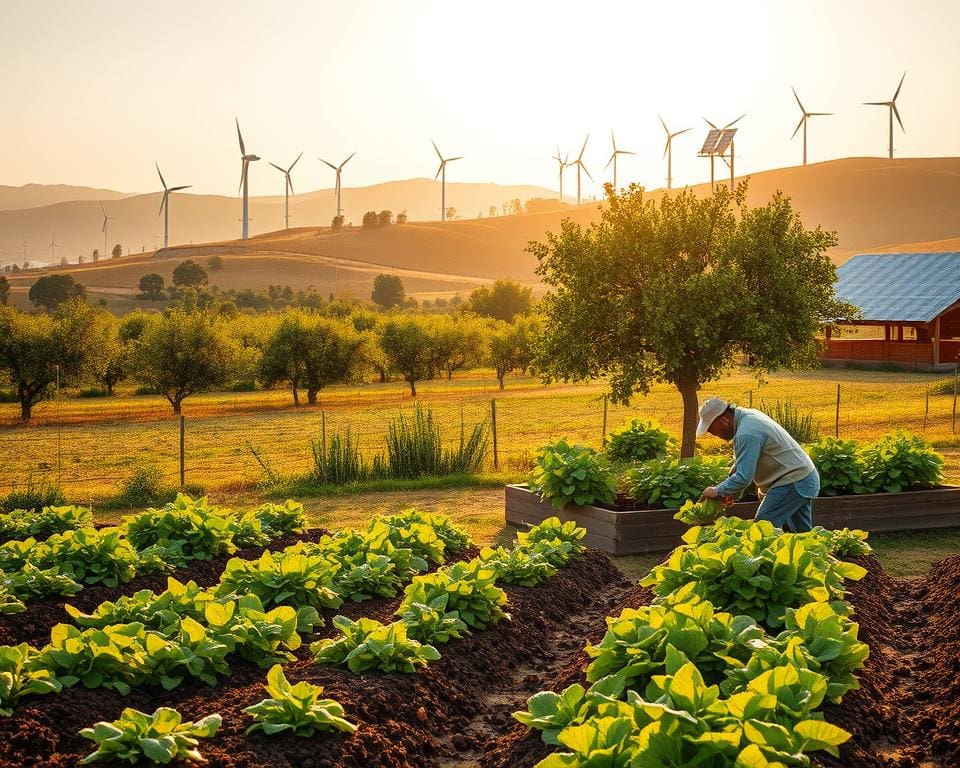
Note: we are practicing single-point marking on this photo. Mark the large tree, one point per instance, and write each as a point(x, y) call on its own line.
point(458, 342)
point(335, 355)
point(679, 290)
point(407, 343)
point(182, 353)
point(4, 289)
point(285, 354)
point(33, 347)
point(189, 274)
point(52, 290)
point(151, 286)
point(503, 300)
point(387, 291)
point(511, 346)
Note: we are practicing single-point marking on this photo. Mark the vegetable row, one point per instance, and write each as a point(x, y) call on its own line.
point(747, 637)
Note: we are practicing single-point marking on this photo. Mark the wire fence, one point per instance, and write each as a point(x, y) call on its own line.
point(229, 451)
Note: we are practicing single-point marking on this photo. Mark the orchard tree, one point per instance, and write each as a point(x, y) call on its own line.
point(4, 290)
point(370, 219)
point(388, 291)
point(285, 354)
point(183, 353)
point(151, 286)
point(677, 290)
point(458, 342)
point(335, 355)
point(407, 343)
point(52, 290)
point(511, 346)
point(402, 217)
point(32, 347)
point(189, 274)
point(504, 300)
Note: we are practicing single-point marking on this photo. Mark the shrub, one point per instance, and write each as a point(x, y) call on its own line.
point(800, 425)
point(415, 448)
point(158, 738)
point(671, 482)
point(941, 387)
point(368, 644)
point(35, 496)
point(899, 461)
point(639, 441)
point(92, 392)
point(839, 466)
point(572, 473)
point(296, 708)
point(143, 487)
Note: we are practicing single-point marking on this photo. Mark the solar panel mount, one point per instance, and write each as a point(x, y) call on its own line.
point(710, 143)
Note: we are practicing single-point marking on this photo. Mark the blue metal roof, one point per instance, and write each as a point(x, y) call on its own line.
point(900, 287)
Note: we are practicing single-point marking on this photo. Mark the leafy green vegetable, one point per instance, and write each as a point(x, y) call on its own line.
point(159, 738)
point(566, 474)
point(289, 578)
point(839, 466)
point(526, 567)
point(368, 644)
point(296, 708)
point(19, 677)
point(427, 624)
point(454, 539)
point(154, 611)
point(671, 482)
point(899, 461)
point(247, 531)
point(700, 512)
point(23, 523)
point(88, 556)
point(281, 519)
point(638, 441)
point(469, 589)
point(556, 541)
point(30, 582)
point(194, 530)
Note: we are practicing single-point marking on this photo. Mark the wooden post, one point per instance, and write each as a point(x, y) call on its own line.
point(323, 439)
point(749, 398)
point(926, 409)
point(603, 440)
point(836, 422)
point(182, 453)
point(956, 384)
point(493, 419)
point(936, 341)
point(59, 434)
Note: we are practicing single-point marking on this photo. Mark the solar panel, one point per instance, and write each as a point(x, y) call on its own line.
point(900, 287)
point(710, 142)
point(726, 136)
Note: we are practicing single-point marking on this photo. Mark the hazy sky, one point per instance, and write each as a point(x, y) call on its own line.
point(93, 91)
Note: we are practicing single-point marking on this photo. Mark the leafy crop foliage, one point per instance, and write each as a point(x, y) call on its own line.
point(288, 578)
point(575, 474)
point(525, 567)
point(672, 482)
point(839, 466)
point(30, 582)
point(638, 441)
point(556, 541)
point(159, 738)
point(899, 461)
point(700, 512)
point(185, 529)
point(454, 539)
point(297, 709)
point(19, 677)
point(21, 523)
point(85, 555)
point(281, 519)
point(368, 644)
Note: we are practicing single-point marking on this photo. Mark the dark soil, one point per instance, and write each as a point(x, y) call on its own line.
point(33, 625)
point(446, 714)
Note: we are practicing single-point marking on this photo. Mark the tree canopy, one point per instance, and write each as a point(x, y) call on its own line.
point(151, 286)
point(503, 300)
point(52, 290)
point(679, 290)
point(189, 274)
point(388, 291)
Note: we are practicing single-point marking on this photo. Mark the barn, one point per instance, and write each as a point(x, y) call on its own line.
point(909, 311)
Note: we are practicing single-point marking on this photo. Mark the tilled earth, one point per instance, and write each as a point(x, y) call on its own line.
point(456, 711)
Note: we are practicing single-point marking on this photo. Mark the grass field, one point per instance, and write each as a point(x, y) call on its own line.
point(102, 440)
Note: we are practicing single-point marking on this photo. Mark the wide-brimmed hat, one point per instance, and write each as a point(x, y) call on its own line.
point(709, 411)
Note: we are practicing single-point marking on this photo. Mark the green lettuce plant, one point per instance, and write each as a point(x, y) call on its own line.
point(839, 466)
point(521, 566)
point(88, 556)
point(289, 578)
point(556, 541)
point(899, 461)
point(159, 738)
point(672, 482)
point(188, 528)
point(566, 474)
point(368, 644)
point(454, 539)
point(638, 441)
point(31, 583)
point(700, 512)
point(297, 709)
point(20, 677)
point(281, 519)
point(468, 589)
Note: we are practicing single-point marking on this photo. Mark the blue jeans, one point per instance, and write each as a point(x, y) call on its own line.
point(786, 508)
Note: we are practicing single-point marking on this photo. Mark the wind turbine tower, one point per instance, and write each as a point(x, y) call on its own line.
point(563, 163)
point(442, 172)
point(53, 250)
point(339, 170)
point(668, 150)
point(803, 122)
point(165, 206)
point(892, 110)
point(104, 227)
point(244, 174)
point(716, 144)
point(613, 158)
point(579, 163)
point(287, 188)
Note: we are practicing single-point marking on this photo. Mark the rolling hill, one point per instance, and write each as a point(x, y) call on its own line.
point(873, 204)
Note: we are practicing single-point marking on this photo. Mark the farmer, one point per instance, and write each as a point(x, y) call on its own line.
point(763, 453)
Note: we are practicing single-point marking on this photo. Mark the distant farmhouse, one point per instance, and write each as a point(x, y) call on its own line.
point(913, 298)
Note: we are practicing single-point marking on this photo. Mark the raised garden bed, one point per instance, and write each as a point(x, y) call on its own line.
point(643, 531)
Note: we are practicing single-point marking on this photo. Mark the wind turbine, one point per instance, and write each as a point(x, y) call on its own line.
point(287, 188)
point(564, 162)
point(339, 170)
point(247, 159)
point(442, 171)
point(892, 107)
point(613, 158)
point(53, 250)
point(668, 150)
point(579, 163)
point(165, 206)
point(104, 227)
point(803, 122)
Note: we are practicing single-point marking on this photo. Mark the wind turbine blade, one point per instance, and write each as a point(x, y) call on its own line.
point(799, 126)
point(585, 170)
point(897, 115)
point(799, 103)
point(290, 185)
point(243, 149)
point(674, 135)
point(282, 170)
point(613, 140)
point(163, 201)
point(442, 163)
point(899, 86)
point(177, 189)
point(728, 125)
point(451, 159)
point(435, 149)
point(294, 162)
point(583, 148)
point(243, 173)
point(665, 129)
point(876, 103)
point(626, 152)
point(104, 227)
point(330, 164)
point(102, 209)
point(347, 160)
point(609, 161)
point(818, 114)
point(160, 175)
point(666, 147)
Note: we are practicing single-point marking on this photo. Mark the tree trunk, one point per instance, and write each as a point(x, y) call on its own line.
point(26, 406)
point(500, 378)
point(110, 389)
point(413, 387)
point(449, 374)
point(687, 385)
point(383, 375)
point(176, 406)
point(312, 396)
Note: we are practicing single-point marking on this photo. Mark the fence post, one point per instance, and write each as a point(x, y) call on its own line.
point(323, 442)
point(603, 440)
point(59, 435)
point(926, 409)
point(836, 422)
point(956, 382)
point(749, 398)
point(493, 420)
point(182, 456)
